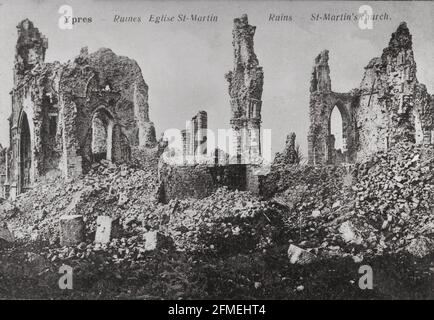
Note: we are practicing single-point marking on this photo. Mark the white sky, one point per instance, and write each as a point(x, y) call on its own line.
point(184, 63)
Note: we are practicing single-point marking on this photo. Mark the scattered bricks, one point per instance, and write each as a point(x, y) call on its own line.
point(298, 255)
point(71, 230)
point(106, 228)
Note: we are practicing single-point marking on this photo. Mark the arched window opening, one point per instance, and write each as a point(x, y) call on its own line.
point(337, 139)
point(102, 128)
point(336, 128)
point(25, 153)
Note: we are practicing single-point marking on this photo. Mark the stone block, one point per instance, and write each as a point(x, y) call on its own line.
point(151, 240)
point(71, 230)
point(298, 255)
point(349, 233)
point(106, 229)
point(5, 233)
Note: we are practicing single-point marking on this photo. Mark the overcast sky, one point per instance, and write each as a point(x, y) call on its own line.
point(184, 63)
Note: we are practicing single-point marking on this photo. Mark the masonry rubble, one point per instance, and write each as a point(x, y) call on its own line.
point(290, 155)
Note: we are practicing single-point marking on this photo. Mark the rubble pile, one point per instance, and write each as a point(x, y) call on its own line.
point(225, 222)
point(380, 206)
point(123, 192)
point(394, 195)
point(312, 186)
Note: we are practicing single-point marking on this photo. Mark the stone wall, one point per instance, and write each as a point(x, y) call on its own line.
point(194, 138)
point(389, 106)
point(199, 181)
point(58, 103)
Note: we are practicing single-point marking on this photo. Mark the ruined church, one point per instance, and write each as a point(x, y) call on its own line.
point(67, 116)
point(389, 106)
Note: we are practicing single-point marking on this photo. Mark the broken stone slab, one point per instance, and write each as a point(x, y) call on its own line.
point(349, 233)
point(5, 233)
point(71, 230)
point(298, 255)
point(106, 229)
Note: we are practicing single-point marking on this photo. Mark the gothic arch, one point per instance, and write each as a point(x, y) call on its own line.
point(102, 134)
point(333, 155)
point(25, 158)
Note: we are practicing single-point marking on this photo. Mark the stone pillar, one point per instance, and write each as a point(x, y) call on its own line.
point(184, 145)
point(72, 162)
point(202, 126)
point(245, 90)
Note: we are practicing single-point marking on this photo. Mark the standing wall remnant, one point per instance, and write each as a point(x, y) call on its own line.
point(389, 106)
point(67, 116)
point(245, 90)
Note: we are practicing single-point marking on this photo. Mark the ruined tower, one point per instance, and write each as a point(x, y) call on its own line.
point(389, 106)
point(245, 91)
point(30, 49)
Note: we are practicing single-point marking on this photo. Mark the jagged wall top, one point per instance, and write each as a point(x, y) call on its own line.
point(246, 79)
point(400, 40)
point(320, 79)
point(30, 48)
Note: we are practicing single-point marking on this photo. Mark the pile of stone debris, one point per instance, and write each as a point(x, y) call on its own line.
point(379, 206)
point(383, 205)
point(225, 222)
point(115, 209)
point(124, 193)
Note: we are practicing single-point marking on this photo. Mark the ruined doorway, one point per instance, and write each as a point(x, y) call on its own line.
point(25, 154)
point(336, 147)
point(102, 135)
